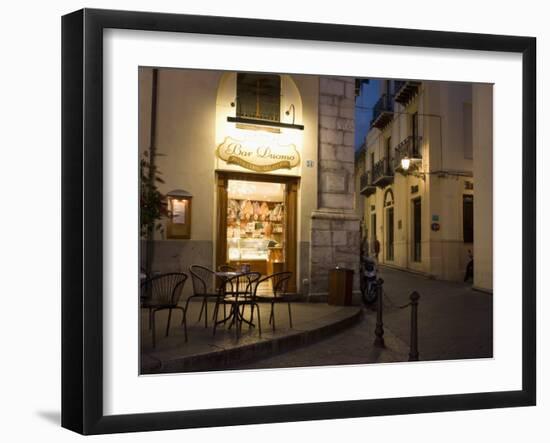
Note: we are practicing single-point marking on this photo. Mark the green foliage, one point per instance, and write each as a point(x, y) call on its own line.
point(152, 203)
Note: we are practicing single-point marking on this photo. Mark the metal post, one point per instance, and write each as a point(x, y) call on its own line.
point(379, 331)
point(413, 354)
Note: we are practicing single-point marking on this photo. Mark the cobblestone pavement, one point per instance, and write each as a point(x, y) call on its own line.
point(454, 322)
point(352, 346)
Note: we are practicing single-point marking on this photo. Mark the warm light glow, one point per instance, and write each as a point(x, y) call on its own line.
point(255, 140)
point(179, 211)
point(248, 190)
point(405, 163)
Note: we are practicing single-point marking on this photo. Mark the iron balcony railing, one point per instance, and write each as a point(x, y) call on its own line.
point(397, 85)
point(382, 172)
point(405, 90)
point(409, 147)
point(365, 184)
point(382, 113)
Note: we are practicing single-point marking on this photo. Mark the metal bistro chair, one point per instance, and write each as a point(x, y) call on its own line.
point(163, 292)
point(227, 268)
point(279, 282)
point(239, 291)
point(205, 286)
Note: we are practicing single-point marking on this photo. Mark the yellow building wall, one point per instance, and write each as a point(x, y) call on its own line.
point(444, 111)
point(189, 111)
point(483, 171)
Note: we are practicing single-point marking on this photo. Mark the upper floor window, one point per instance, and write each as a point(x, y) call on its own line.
point(388, 156)
point(467, 130)
point(372, 163)
point(468, 218)
point(415, 140)
point(259, 96)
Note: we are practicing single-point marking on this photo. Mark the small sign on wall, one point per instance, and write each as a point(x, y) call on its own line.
point(179, 205)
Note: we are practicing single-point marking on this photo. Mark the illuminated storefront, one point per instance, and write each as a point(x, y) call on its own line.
point(253, 150)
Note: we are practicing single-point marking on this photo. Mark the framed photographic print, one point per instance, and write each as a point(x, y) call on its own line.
point(262, 218)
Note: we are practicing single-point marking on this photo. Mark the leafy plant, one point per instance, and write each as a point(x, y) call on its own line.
point(152, 203)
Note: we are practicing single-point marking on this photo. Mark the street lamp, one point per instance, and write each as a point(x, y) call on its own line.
point(405, 163)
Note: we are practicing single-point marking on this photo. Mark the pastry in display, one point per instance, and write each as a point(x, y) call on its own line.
point(264, 211)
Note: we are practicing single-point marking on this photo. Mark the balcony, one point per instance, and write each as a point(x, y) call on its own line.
point(410, 148)
point(382, 173)
point(383, 112)
point(405, 91)
point(366, 187)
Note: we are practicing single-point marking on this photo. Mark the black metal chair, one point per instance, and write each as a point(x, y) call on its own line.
point(227, 268)
point(239, 291)
point(163, 292)
point(206, 285)
point(278, 294)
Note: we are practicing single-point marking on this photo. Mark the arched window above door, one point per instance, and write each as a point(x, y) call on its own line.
point(388, 198)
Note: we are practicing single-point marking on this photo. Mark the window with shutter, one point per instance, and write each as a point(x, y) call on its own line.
point(259, 96)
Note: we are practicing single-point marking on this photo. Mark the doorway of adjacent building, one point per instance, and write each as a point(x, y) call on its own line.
point(468, 218)
point(389, 234)
point(257, 223)
point(417, 230)
point(373, 232)
point(389, 224)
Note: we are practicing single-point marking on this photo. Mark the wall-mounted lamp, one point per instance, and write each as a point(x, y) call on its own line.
point(287, 112)
point(406, 164)
point(179, 205)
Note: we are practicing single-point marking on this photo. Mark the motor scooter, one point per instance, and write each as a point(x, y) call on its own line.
point(368, 280)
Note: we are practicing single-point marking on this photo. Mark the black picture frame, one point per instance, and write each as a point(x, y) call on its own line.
point(82, 239)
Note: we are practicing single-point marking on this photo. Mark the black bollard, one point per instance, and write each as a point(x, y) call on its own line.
point(379, 331)
point(413, 354)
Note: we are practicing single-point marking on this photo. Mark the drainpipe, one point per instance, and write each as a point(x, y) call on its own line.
point(150, 241)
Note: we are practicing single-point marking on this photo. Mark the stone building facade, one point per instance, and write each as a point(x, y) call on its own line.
point(335, 224)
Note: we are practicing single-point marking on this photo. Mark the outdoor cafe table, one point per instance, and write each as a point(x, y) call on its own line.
point(234, 314)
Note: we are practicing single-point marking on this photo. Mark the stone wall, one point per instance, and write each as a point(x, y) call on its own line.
point(335, 225)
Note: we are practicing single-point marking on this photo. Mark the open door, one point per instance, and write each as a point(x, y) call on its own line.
point(257, 222)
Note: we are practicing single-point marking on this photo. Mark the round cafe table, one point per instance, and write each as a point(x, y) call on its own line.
point(234, 314)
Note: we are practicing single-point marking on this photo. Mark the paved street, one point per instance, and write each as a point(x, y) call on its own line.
point(352, 346)
point(455, 322)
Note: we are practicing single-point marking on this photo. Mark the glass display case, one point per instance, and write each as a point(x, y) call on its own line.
point(247, 249)
point(256, 225)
